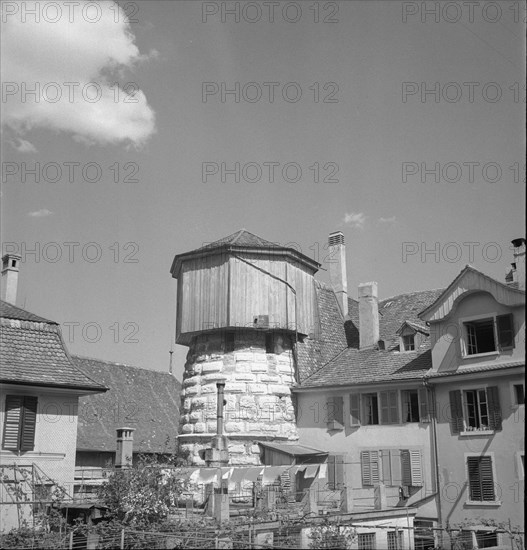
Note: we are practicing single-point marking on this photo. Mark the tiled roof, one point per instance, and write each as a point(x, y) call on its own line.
point(479, 368)
point(333, 358)
point(404, 307)
point(355, 366)
point(10, 311)
point(242, 238)
point(143, 399)
point(33, 353)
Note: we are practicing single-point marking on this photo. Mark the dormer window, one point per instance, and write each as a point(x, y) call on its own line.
point(488, 334)
point(408, 342)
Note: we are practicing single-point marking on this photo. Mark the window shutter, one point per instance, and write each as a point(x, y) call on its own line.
point(406, 469)
point(13, 421)
point(386, 467)
point(370, 467)
point(395, 456)
point(389, 413)
point(335, 416)
point(456, 410)
point(505, 331)
point(416, 468)
point(481, 482)
point(424, 411)
point(332, 472)
point(493, 398)
point(29, 423)
point(355, 409)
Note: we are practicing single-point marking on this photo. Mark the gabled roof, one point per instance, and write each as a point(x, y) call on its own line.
point(34, 354)
point(470, 280)
point(144, 399)
point(246, 242)
point(418, 327)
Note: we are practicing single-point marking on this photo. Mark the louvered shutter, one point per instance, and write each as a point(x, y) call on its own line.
point(481, 482)
point(335, 471)
point(505, 325)
point(370, 467)
point(13, 422)
point(416, 468)
point(493, 398)
point(456, 410)
point(385, 411)
point(29, 422)
point(424, 409)
point(355, 409)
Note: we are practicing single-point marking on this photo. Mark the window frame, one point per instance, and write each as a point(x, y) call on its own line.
point(464, 323)
point(410, 347)
point(370, 545)
point(364, 406)
point(469, 501)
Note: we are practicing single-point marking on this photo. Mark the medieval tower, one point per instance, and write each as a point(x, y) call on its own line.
point(243, 303)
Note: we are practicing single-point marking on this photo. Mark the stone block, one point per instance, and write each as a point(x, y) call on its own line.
point(233, 427)
point(212, 366)
point(258, 388)
point(191, 381)
point(245, 376)
point(191, 390)
point(200, 427)
point(237, 449)
point(259, 368)
point(199, 403)
point(268, 379)
point(246, 401)
point(187, 429)
point(235, 387)
point(255, 449)
point(244, 460)
point(208, 389)
point(196, 416)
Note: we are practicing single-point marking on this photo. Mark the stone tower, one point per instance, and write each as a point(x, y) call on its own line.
point(242, 305)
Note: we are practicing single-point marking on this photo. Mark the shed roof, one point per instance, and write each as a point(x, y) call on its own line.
point(292, 449)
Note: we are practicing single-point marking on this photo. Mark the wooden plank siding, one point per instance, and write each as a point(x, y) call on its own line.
point(230, 291)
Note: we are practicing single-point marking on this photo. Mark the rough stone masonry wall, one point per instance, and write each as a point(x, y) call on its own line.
point(257, 392)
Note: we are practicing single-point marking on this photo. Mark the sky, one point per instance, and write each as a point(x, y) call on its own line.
point(137, 132)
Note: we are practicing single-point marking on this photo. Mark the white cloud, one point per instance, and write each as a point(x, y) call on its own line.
point(355, 219)
point(387, 220)
point(23, 146)
point(74, 67)
point(42, 213)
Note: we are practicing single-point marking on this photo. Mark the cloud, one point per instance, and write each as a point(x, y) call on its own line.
point(23, 146)
point(387, 220)
point(355, 219)
point(42, 213)
point(73, 64)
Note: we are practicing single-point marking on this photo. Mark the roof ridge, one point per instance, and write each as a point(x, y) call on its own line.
point(4, 303)
point(74, 356)
point(410, 293)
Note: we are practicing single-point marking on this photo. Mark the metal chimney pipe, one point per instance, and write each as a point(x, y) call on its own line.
point(219, 410)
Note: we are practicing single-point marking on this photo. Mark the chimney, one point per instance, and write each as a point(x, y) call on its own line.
point(10, 263)
point(337, 270)
point(368, 315)
point(125, 447)
point(519, 263)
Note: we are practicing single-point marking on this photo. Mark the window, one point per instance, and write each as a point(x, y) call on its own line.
point(20, 422)
point(410, 406)
point(371, 408)
point(486, 539)
point(395, 540)
point(489, 335)
point(367, 541)
point(519, 394)
point(477, 413)
point(475, 410)
point(409, 342)
point(370, 467)
point(269, 343)
point(480, 479)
